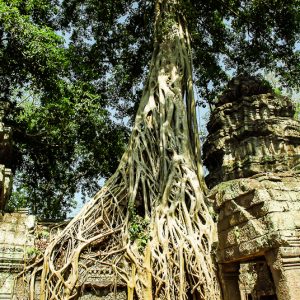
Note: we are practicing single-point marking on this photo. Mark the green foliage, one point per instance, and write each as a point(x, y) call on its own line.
point(277, 91)
point(32, 252)
point(64, 137)
point(43, 234)
point(228, 37)
point(138, 229)
point(30, 54)
point(17, 200)
point(68, 144)
point(239, 36)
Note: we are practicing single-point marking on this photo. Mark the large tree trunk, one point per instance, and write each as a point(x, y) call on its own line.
point(149, 225)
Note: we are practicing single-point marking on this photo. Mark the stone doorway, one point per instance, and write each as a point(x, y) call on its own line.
point(96, 292)
point(256, 282)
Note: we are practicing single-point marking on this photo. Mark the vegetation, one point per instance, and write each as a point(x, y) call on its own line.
point(64, 138)
point(66, 65)
point(150, 226)
point(156, 196)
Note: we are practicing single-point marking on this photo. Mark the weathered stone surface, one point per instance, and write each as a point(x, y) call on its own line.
point(101, 283)
point(250, 133)
point(230, 281)
point(284, 263)
point(16, 239)
point(253, 155)
point(257, 214)
point(255, 279)
point(104, 294)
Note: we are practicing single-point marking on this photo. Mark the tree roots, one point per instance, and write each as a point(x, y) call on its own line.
point(149, 227)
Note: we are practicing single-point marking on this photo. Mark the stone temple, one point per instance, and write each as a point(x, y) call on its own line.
point(252, 153)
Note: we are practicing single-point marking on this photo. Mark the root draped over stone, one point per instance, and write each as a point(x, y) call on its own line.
point(149, 227)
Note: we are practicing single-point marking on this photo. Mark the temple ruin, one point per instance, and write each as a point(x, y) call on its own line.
point(252, 153)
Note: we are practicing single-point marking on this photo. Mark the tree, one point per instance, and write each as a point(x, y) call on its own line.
point(228, 37)
point(156, 193)
point(98, 65)
point(150, 224)
point(64, 138)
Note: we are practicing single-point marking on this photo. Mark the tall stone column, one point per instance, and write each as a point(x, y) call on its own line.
point(284, 264)
point(230, 281)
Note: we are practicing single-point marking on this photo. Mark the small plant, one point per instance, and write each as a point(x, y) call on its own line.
point(138, 229)
point(213, 214)
point(32, 251)
point(43, 234)
point(277, 91)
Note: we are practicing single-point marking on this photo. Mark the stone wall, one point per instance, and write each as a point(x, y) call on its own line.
point(257, 214)
point(16, 242)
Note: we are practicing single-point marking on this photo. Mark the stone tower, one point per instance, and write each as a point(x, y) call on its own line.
point(252, 153)
point(251, 131)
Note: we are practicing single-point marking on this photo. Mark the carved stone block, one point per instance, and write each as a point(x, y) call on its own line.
point(250, 133)
point(15, 240)
point(257, 214)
